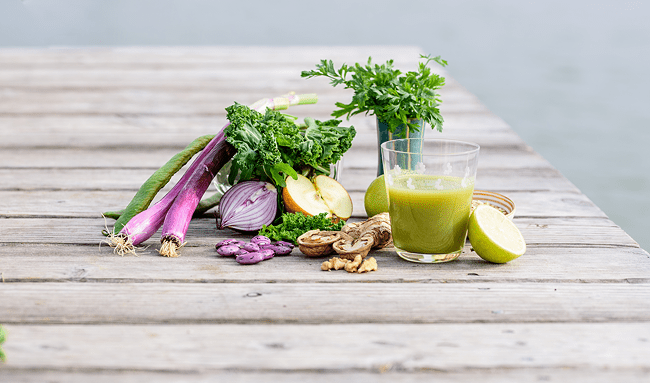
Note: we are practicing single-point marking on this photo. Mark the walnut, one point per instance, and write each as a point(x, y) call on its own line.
point(356, 266)
point(351, 267)
point(369, 264)
point(352, 243)
point(334, 264)
point(349, 249)
point(317, 243)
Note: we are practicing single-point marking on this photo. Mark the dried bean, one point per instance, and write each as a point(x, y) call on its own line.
point(250, 258)
point(286, 244)
point(250, 247)
point(228, 250)
point(260, 240)
point(225, 242)
point(281, 250)
point(267, 253)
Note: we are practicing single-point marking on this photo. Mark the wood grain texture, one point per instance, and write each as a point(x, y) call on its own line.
point(561, 230)
point(81, 129)
point(494, 152)
point(469, 350)
point(322, 303)
point(385, 373)
point(542, 263)
point(147, 131)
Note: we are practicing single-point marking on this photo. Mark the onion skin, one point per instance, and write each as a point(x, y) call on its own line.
point(248, 206)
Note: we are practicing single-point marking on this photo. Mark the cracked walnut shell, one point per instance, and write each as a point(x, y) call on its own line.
point(317, 243)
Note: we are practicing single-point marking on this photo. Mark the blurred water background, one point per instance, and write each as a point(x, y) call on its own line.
point(570, 76)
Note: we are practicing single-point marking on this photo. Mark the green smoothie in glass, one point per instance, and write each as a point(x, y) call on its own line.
point(429, 214)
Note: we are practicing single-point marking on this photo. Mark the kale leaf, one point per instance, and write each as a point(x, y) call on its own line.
point(271, 146)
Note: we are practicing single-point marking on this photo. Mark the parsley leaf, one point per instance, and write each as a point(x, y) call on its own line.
point(294, 225)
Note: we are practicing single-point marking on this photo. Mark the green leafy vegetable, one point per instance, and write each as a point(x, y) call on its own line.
point(395, 98)
point(294, 225)
point(271, 146)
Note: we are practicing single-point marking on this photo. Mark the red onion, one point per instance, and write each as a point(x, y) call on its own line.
point(248, 206)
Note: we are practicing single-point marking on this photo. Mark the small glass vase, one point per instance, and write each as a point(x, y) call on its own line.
point(402, 131)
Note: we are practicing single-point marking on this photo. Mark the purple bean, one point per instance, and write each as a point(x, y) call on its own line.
point(281, 250)
point(228, 250)
point(243, 251)
point(249, 258)
point(228, 241)
point(286, 244)
point(267, 253)
point(260, 239)
point(251, 247)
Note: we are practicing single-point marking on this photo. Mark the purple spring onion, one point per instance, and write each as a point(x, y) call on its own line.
point(248, 206)
point(180, 213)
point(146, 223)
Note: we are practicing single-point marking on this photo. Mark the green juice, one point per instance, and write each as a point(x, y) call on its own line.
point(429, 214)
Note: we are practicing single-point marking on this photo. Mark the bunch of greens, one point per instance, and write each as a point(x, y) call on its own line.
point(294, 225)
point(271, 146)
point(395, 98)
point(265, 146)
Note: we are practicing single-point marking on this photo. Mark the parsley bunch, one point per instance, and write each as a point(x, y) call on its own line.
point(294, 225)
point(395, 98)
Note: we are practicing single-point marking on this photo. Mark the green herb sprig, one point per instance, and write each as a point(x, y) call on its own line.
point(294, 225)
point(382, 90)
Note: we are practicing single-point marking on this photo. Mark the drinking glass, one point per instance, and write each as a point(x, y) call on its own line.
point(429, 183)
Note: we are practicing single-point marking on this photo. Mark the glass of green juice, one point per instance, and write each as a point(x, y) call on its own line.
point(429, 183)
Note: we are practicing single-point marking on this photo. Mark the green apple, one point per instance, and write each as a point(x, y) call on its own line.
point(376, 200)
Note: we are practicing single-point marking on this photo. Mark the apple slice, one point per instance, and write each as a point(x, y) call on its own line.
point(322, 195)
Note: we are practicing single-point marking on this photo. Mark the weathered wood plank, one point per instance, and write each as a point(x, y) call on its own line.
point(563, 231)
point(161, 102)
point(65, 197)
point(354, 180)
point(90, 202)
point(176, 131)
point(546, 263)
point(222, 77)
point(393, 374)
point(359, 156)
point(448, 351)
point(322, 303)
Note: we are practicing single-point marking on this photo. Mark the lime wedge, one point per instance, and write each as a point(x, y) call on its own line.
point(493, 236)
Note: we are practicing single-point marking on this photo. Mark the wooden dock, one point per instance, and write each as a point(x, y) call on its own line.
point(81, 129)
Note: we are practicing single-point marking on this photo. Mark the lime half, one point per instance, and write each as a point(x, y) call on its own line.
point(493, 236)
